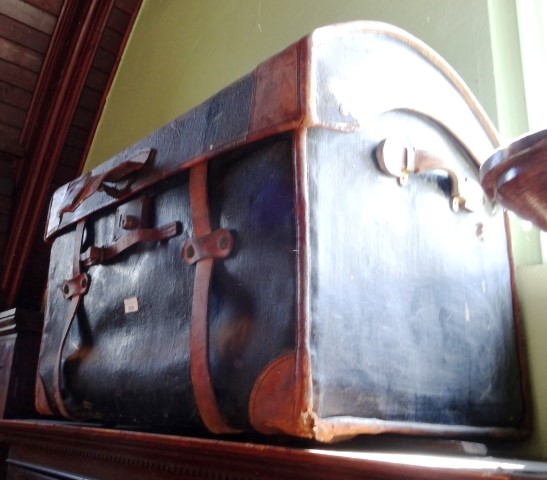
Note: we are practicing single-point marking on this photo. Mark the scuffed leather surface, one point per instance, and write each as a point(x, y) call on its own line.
point(134, 368)
point(412, 317)
point(218, 122)
point(253, 298)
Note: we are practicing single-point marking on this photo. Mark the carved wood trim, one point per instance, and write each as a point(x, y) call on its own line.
point(62, 56)
point(134, 13)
point(69, 59)
point(63, 450)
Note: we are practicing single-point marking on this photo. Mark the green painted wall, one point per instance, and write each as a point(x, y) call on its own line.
point(183, 51)
point(531, 283)
point(511, 107)
point(527, 250)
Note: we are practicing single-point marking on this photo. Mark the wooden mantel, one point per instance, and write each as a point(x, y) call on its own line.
point(60, 450)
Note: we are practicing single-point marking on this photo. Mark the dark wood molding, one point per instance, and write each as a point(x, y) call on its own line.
point(70, 57)
point(134, 12)
point(54, 60)
point(20, 334)
point(64, 450)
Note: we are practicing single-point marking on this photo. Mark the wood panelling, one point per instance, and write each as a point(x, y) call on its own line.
point(73, 47)
point(65, 173)
point(11, 115)
point(5, 201)
point(9, 139)
point(6, 188)
point(25, 29)
point(84, 118)
point(24, 34)
point(6, 185)
point(97, 80)
point(118, 20)
point(77, 137)
point(15, 96)
point(3, 223)
point(51, 6)
point(23, 56)
point(104, 60)
point(128, 6)
point(57, 59)
point(90, 99)
point(69, 153)
point(28, 14)
point(111, 41)
point(16, 75)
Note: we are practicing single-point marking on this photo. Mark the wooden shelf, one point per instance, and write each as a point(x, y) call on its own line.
point(63, 450)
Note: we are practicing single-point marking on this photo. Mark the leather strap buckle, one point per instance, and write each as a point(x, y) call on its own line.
point(99, 255)
point(92, 256)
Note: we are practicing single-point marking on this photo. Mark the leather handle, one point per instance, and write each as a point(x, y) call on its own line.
point(399, 159)
point(84, 187)
point(98, 255)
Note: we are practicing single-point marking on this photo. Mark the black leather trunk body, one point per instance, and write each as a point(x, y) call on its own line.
point(350, 303)
point(414, 294)
point(134, 367)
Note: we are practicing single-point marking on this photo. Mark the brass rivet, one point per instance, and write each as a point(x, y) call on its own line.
point(66, 289)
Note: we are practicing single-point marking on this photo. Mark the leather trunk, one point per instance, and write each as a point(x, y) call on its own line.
point(306, 253)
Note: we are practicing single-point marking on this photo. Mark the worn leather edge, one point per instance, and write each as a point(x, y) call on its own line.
point(285, 65)
point(276, 91)
point(40, 398)
point(303, 389)
point(336, 429)
point(272, 406)
point(303, 113)
point(430, 55)
point(281, 400)
point(273, 410)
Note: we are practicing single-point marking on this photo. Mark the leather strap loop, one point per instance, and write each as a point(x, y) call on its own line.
point(98, 255)
point(84, 187)
point(76, 286)
point(217, 244)
point(199, 330)
point(74, 289)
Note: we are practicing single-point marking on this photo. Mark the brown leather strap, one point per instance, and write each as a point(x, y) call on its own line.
point(73, 289)
point(199, 330)
point(98, 255)
point(217, 244)
point(84, 187)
